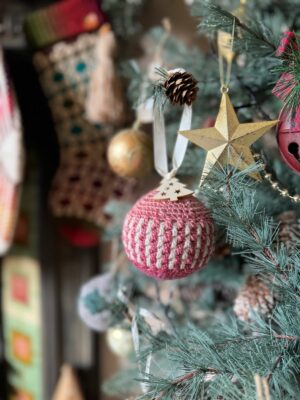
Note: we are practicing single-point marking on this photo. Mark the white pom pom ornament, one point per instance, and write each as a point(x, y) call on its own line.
point(99, 286)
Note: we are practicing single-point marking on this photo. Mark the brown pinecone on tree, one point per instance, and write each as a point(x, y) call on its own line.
point(289, 230)
point(253, 296)
point(181, 88)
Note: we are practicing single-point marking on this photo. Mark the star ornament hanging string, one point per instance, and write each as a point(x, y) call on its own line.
point(229, 141)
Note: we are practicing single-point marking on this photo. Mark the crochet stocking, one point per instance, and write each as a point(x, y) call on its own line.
point(83, 182)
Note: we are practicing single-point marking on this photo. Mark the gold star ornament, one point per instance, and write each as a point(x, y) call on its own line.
point(228, 142)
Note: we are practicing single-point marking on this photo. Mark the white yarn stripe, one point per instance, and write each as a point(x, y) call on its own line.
point(208, 240)
point(198, 246)
point(137, 239)
point(129, 242)
point(160, 243)
point(172, 254)
point(148, 242)
point(186, 246)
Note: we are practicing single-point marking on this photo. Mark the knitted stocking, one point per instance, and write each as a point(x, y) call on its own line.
point(10, 160)
point(83, 182)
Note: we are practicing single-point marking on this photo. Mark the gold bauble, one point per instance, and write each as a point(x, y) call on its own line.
point(130, 153)
point(119, 341)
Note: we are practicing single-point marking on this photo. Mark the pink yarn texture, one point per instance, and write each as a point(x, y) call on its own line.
point(168, 240)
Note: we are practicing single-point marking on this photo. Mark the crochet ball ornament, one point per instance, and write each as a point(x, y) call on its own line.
point(168, 239)
point(130, 153)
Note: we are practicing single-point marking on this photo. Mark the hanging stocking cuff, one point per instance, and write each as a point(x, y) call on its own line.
point(61, 21)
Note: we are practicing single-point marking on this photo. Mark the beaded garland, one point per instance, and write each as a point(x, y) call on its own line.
point(168, 240)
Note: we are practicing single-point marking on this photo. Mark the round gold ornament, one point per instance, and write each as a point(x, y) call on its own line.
point(130, 153)
point(119, 341)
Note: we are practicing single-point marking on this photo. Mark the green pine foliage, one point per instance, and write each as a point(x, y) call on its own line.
point(220, 361)
point(204, 352)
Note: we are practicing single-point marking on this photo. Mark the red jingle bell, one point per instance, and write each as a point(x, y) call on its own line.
point(288, 137)
point(288, 131)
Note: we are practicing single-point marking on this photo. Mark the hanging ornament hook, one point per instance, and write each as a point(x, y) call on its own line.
point(159, 136)
point(225, 52)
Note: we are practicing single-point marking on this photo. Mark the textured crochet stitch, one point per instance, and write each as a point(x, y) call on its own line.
point(168, 240)
point(83, 183)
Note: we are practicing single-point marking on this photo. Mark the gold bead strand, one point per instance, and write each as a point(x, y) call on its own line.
point(275, 184)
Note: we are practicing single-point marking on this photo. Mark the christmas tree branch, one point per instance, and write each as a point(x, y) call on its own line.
point(254, 99)
point(208, 359)
point(258, 36)
point(274, 366)
point(186, 377)
point(212, 371)
point(288, 88)
point(220, 359)
point(215, 18)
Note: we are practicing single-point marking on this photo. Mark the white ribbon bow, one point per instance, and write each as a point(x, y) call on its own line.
point(160, 142)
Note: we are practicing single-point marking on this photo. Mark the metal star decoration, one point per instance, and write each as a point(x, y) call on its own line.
point(228, 142)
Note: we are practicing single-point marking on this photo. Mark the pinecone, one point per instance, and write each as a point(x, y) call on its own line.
point(181, 88)
point(253, 296)
point(289, 230)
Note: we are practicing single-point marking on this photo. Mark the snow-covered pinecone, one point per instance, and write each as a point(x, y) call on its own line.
point(253, 296)
point(289, 229)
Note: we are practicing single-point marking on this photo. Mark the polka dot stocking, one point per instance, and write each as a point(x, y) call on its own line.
point(83, 183)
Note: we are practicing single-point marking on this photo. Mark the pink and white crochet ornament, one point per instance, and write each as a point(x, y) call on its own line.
point(168, 239)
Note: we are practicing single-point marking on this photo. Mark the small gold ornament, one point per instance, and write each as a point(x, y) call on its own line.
point(130, 153)
point(228, 142)
point(172, 189)
point(119, 341)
